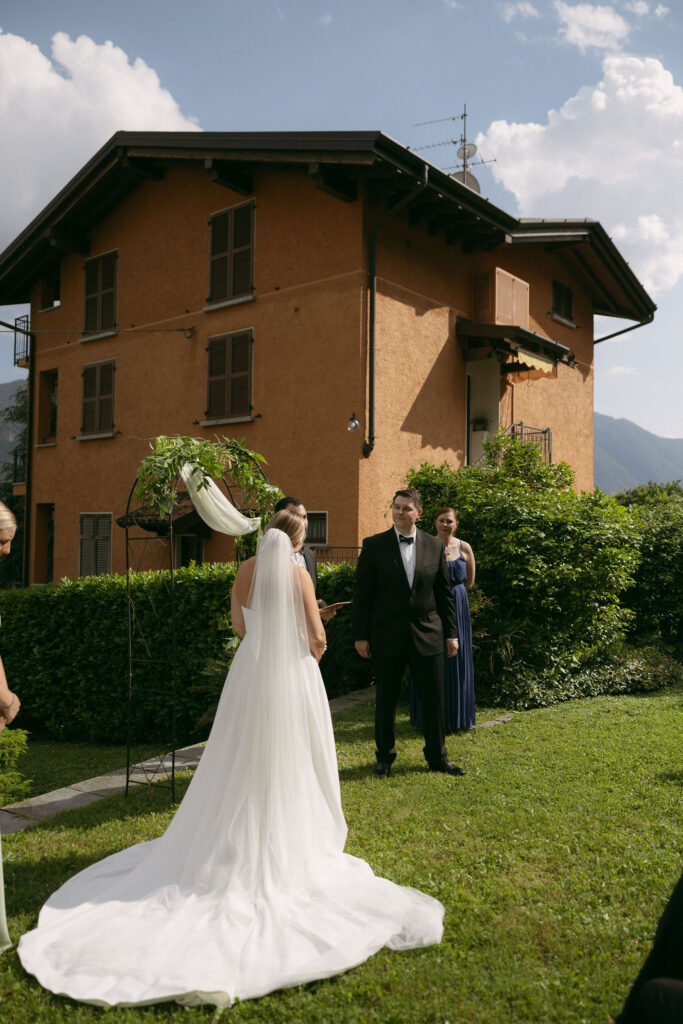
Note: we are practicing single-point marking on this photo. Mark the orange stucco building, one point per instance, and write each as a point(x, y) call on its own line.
point(268, 286)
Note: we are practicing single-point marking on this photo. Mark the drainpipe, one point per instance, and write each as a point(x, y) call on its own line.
point(30, 383)
point(370, 443)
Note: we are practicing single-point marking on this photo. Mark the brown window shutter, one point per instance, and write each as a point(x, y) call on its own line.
point(231, 261)
point(240, 374)
point(100, 293)
point(105, 413)
point(217, 378)
point(89, 423)
point(218, 271)
point(87, 546)
point(95, 545)
point(102, 556)
point(242, 259)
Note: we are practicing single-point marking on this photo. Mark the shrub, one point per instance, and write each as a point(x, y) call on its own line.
point(551, 566)
point(342, 670)
point(13, 785)
point(656, 595)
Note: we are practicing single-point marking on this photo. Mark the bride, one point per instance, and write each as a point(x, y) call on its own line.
point(249, 889)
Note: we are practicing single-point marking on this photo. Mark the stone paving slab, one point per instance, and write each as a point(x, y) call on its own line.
point(507, 717)
point(11, 823)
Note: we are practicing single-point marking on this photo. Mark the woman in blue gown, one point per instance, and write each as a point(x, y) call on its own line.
point(459, 706)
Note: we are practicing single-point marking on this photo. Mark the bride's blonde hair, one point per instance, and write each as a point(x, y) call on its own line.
point(290, 523)
point(7, 520)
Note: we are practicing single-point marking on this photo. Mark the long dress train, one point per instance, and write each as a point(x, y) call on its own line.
point(249, 889)
point(5, 941)
point(458, 682)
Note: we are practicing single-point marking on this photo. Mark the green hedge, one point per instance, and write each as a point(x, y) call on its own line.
point(13, 785)
point(65, 647)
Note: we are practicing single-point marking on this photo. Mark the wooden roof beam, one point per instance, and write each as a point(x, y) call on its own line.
point(228, 176)
point(335, 184)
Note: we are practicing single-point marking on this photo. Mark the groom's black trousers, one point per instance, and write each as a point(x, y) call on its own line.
point(427, 674)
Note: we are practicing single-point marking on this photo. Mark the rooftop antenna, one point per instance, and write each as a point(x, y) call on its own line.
point(466, 150)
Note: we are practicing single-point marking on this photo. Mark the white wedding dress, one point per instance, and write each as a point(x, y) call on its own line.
point(249, 889)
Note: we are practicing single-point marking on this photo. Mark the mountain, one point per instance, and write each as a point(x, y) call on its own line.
point(8, 431)
point(626, 455)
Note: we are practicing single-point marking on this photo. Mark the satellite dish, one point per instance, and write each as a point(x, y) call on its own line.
point(465, 178)
point(467, 151)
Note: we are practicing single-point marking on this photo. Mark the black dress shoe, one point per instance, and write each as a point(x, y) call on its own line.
point(382, 770)
point(447, 767)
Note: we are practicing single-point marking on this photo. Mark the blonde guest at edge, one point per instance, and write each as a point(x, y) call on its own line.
point(9, 702)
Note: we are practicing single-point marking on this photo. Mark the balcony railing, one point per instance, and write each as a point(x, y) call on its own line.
point(22, 340)
point(542, 437)
point(19, 466)
point(337, 555)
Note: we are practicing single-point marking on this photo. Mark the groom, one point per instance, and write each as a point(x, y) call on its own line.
point(403, 610)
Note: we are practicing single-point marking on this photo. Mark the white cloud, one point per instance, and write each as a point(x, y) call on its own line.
point(519, 10)
point(623, 371)
point(325, 19)
point(638, 7)
point(661, 11)
point(612, 152)
point(591, 26)
point(452, 4)
point(56, 113)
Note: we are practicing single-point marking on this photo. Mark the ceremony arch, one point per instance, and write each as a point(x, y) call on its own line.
point(186, 486)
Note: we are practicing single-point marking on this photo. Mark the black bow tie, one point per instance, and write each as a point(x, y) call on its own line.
point(406, 540)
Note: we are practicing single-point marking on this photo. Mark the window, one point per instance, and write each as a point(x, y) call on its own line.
point(44, 543)
point(563, 301)
point(95, 545)
point(231, 259)
point(190, 549)
point(47, 406)
point(98, 398)
point(229, 386)
point(100, 294)
point(317, 529)
point(49, 289)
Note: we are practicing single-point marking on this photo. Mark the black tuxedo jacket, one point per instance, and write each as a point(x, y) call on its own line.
point(386, 610)
point(311, 565)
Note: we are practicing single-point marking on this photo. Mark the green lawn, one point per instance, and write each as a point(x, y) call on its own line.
point(554, 857)
point(51, 765)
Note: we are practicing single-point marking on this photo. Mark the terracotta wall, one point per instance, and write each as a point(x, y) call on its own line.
point(309, 319)
point(307, 341)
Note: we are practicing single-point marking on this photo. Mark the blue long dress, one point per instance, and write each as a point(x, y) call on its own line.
point(459, 706)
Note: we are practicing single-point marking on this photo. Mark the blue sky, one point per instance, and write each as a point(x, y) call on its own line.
point(580, 104)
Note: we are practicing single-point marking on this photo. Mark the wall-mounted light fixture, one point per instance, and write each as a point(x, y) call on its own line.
point(353, 423)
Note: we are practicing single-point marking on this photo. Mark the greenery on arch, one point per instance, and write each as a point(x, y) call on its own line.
point(158, 472)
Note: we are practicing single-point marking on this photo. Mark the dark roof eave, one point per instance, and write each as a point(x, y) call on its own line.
point(517, 334)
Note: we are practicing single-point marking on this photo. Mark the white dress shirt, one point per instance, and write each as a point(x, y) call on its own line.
point(298, 558)
point(407, 554)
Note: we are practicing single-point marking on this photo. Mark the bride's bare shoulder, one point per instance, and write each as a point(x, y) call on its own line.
point(245, 574)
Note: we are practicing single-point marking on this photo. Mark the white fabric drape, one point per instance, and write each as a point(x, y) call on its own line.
point(214, 508)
